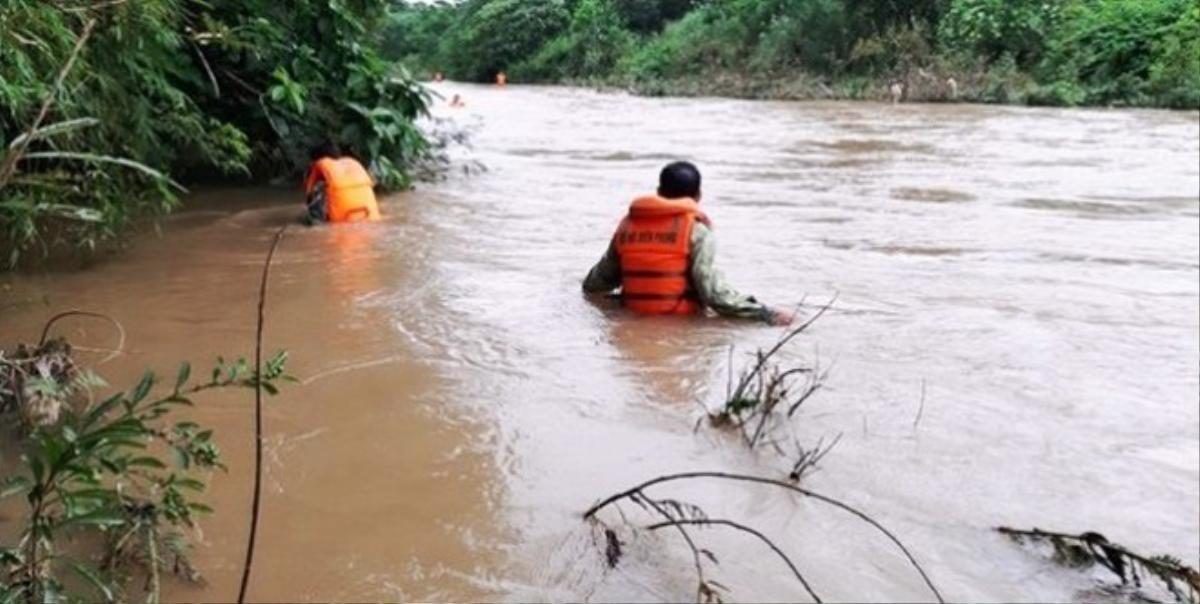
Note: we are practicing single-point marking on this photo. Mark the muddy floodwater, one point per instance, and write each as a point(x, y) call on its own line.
point(1034, 271)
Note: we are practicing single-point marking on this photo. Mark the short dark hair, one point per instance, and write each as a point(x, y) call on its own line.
point(324, 149)
point(679, 179)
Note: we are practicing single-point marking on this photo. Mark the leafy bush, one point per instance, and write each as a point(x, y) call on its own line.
point(808, 34)
point(1175, 72)
point(990, 29)
point(893, 53)
point(684, 48)
point(414, 32)
point(649, 16)
point(120, 106)
point(1108, 47)
point(494, 35)
point(172, 88)
point(763, 36)
point(295, 74)
point(97, 472)
point(592, 45)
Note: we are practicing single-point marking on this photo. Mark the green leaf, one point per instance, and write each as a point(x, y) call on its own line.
point(70, 212)
point(37, 467)
point(191, 484)
point(185, 372)
point(106, 159)
point(102, 518)
point(9, 595)
point(102, 409)
point(54, 129)
point(90, 574)
point(143, 388)
point(148, 462)
point(95, 494)
point(13, 485)
point(111, 466)
point(181, 457)
point(200, 507)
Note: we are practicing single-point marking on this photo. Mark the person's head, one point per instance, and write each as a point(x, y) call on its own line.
point(325, 149)
point(679, 179)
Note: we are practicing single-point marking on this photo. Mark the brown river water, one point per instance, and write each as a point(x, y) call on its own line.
point(1035, 271)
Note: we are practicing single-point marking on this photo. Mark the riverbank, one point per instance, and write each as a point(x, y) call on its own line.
point(1094, 53)
point(979, 87)
point(925, 87)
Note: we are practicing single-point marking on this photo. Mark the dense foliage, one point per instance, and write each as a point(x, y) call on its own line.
point(160, 89)
point(112, 488)
point(1070, 52)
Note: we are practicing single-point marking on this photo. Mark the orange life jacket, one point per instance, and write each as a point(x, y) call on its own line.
point(654, 245)
point(349, 193)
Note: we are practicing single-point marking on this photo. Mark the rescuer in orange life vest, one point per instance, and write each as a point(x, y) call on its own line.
point(662, 257)
point(338, 189)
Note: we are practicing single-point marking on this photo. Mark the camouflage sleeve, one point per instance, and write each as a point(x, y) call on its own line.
point(606, 275)
point(710, 284)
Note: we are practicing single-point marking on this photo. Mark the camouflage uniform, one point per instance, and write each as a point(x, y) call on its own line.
point(709, 284)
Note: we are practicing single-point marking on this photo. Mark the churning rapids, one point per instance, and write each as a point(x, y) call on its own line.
point(462, 402)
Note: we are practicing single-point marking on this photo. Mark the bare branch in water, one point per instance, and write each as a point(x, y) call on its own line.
point(765, 396)
point(636, 492)
point(920, 408)
point(808, 459)
point(745, 529)
point(763, 358)
point(704, 592)
point(1087, 549)
point(113, 353)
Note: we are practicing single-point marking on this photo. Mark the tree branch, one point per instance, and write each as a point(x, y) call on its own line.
point(9, 167)
point(745, 529)
point(783, 485)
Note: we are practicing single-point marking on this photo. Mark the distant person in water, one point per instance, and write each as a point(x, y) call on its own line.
point(501, 78)
point(457, 101)
point(662, 257)
point(438, 77)
point(338, 189)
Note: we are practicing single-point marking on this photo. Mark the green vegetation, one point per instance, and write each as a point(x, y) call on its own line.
point(102, 504)
point(1069, 52)
point(105, 105)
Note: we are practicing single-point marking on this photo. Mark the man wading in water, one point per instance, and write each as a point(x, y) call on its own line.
point(338, 189)
point(662, 257)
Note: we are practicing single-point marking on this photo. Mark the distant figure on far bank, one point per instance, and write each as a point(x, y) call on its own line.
point(952, 86)
point(501, 78)
point(438, 77)
point(662, 257)
point(338, 189)
point(897, 91)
